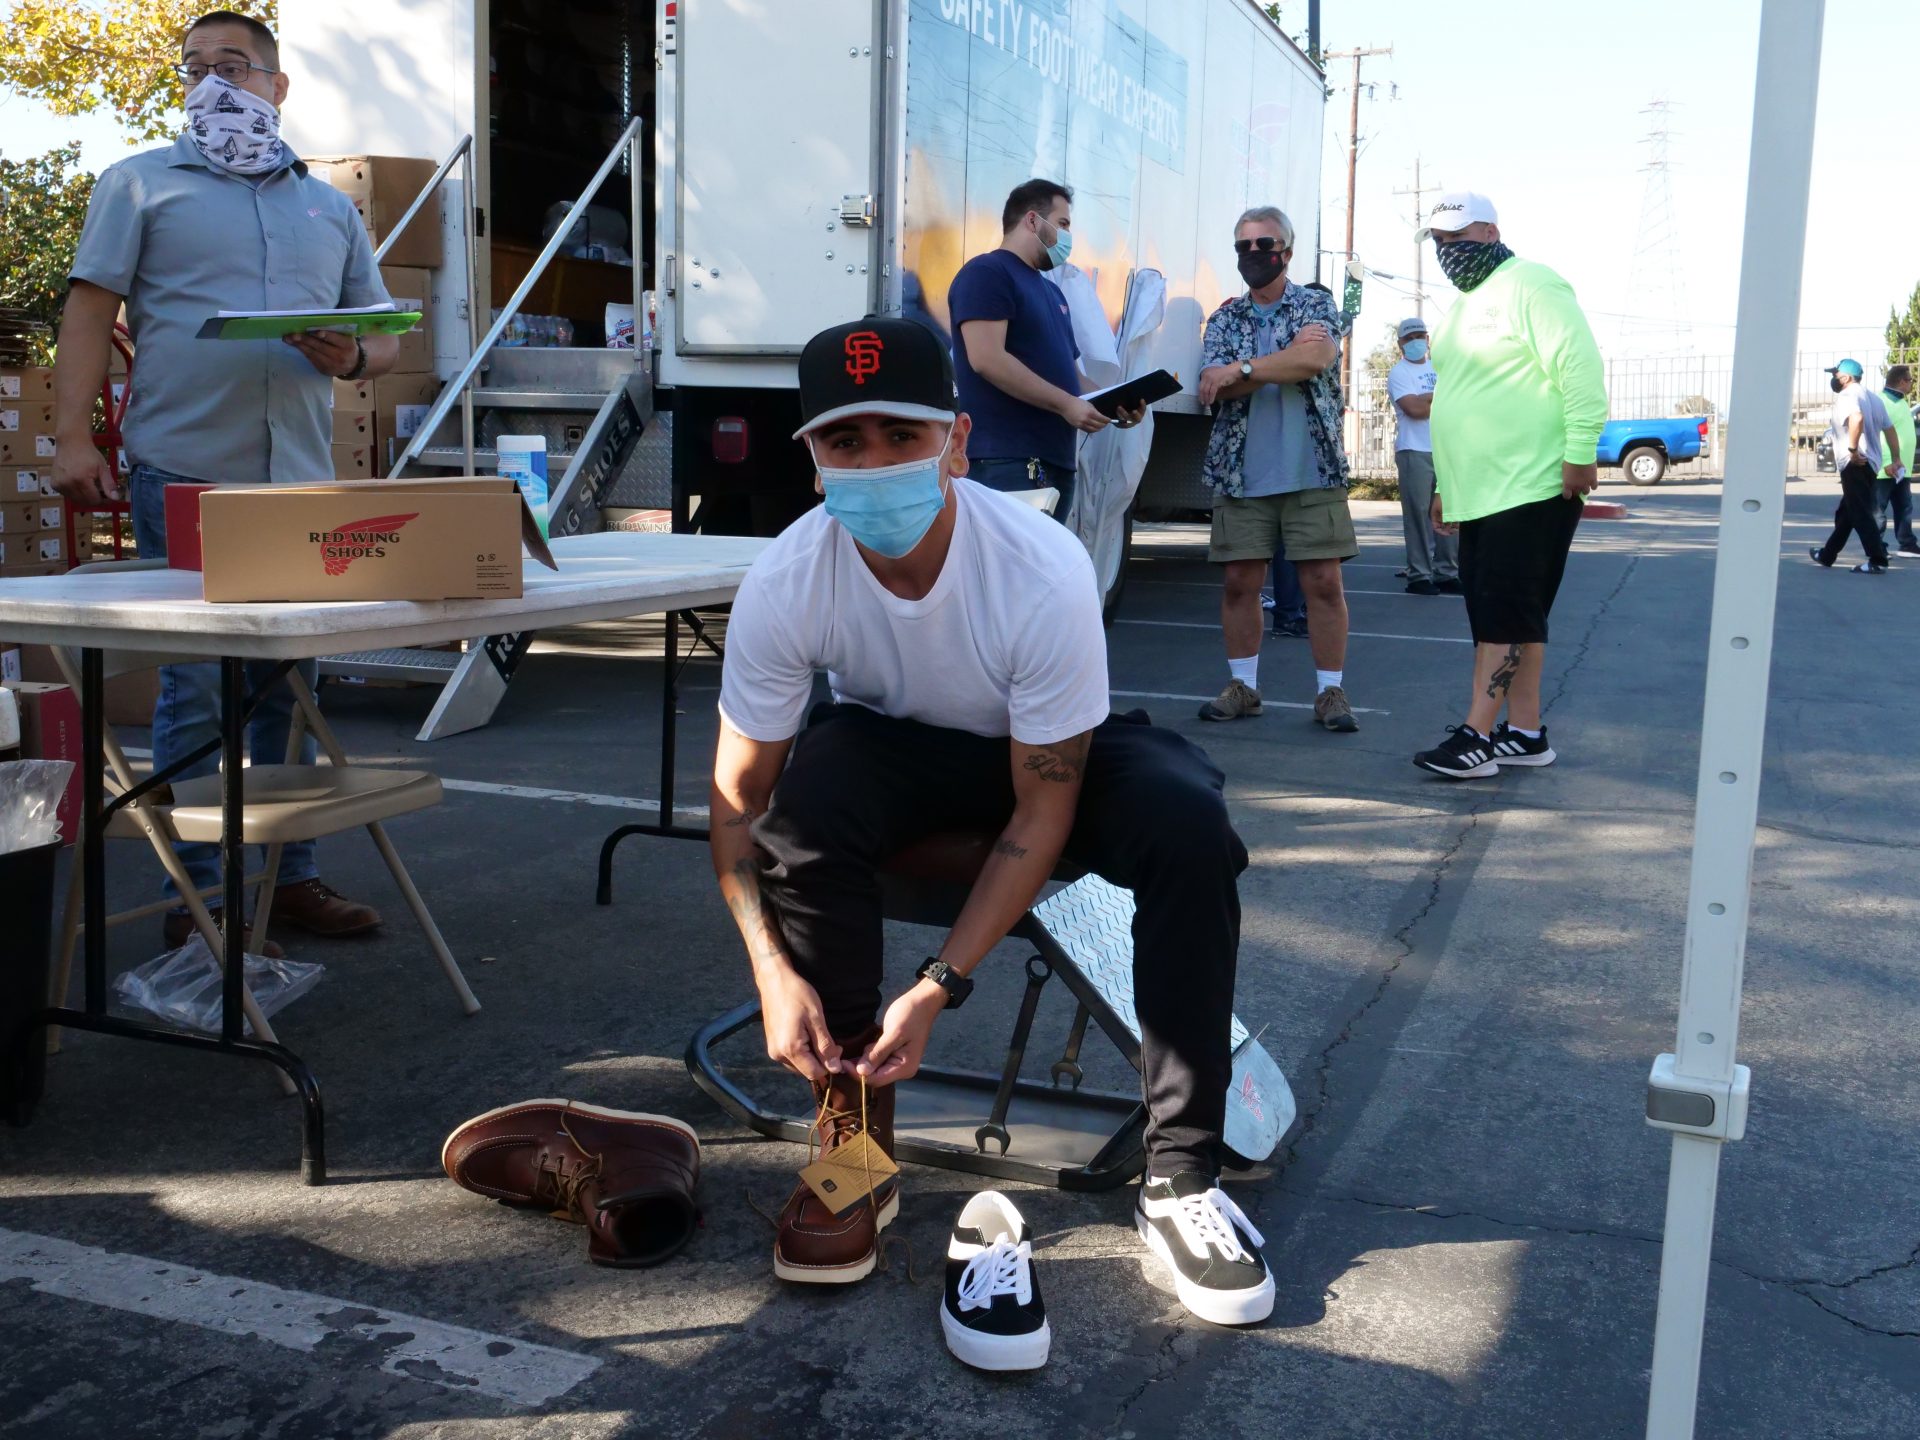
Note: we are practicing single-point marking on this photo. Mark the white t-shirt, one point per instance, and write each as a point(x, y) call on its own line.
point(1008, 641)
point(1407, 378)
point(1857, 399)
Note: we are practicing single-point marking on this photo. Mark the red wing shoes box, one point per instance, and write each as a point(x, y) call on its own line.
point(456, 539)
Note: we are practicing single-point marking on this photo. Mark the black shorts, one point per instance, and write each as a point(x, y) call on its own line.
point(1510, 566)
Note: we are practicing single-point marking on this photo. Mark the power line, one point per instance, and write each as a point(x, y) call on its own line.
point(1353, 161)
point(1419, 251)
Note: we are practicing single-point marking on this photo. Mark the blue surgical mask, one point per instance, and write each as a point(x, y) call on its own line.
point(1059, 250)
point(890, 509)
point(1416, 350)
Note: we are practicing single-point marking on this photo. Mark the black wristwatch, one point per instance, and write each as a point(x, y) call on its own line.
point(359, 364)
point(1246, 369)
point(957, 986)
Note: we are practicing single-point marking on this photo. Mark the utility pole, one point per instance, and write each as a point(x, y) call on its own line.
point(1353, 163)
point(1417, 190)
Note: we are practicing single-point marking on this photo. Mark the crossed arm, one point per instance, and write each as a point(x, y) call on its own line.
point(1310, 352)
point(1046, 783)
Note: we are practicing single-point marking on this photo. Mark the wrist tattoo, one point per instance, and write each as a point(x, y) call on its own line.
point(1007, 848)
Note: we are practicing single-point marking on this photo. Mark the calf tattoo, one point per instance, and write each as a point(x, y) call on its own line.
point(1503, 673)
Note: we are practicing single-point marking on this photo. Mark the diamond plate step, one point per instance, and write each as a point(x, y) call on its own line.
point(430, 666)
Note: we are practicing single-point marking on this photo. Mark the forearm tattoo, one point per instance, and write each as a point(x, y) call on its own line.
point(749, 912)
point(1007, 848)
point(1503, 673)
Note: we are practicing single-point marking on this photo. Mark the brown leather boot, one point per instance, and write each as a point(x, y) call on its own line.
point(628, 1177)
point(319, 909)
point(814, 1246)
point(176, 930)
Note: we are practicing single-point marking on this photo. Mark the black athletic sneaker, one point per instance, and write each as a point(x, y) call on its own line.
point(1813, 553)
point(992, 1315)
point(1907, 547)
point(1211, 1247)
point(1449, 587)
point(1422, 587)
point(1464, 755)
point(1510, 747)
point(1290, 629)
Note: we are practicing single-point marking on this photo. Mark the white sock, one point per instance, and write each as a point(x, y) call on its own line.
point(1530, 734)
point(1328, 679)
point(1246, 671)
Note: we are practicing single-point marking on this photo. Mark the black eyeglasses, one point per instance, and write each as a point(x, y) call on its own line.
point(234, 72)
point(1262, 243)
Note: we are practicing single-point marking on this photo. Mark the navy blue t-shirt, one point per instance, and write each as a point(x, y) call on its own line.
point(999, 285)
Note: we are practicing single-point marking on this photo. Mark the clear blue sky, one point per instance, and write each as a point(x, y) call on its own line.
point(1537, 103)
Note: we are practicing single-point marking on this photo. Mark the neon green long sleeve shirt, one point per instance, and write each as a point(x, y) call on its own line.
point(1520, 390)
point(1901, 413)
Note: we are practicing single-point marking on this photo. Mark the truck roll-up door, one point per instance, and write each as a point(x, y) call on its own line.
point(778, 110)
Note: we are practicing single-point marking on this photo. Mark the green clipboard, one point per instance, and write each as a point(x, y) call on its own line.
point(272, 327)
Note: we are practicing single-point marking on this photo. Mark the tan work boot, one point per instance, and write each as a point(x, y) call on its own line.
point(319, 909)
point(814, 1246)
point(1236, 700)
point(1331, 710)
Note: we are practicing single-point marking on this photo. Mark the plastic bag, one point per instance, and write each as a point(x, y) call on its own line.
point(183, 986)
point(30, 792)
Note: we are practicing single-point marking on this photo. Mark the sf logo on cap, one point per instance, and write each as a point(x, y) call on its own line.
point(863, 355)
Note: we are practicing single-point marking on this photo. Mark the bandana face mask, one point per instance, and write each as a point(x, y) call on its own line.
point(1468, 263)
point(235, 129)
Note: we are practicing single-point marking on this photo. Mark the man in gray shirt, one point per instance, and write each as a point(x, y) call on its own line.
point(225, 218)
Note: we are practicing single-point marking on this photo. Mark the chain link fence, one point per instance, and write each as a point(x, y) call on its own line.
point(1654, 388)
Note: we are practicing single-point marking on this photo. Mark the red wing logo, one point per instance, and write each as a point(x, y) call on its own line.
point(863, 355)
point(357, 539)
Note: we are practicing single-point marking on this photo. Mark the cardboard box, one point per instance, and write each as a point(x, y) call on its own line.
point(353, 394)
point(41, 552)
point(9, 662)
point(353, 462)
point(19, 517)
point(24, 482)
point(381, 188)
point(128, 699)
point(371, 540)
point(25, 382)
point(352, 427)
point(26, 431)
point(400, 404)
point(50, 730)
point(412, 289)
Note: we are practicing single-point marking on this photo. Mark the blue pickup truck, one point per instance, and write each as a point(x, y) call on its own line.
point(1644, 448)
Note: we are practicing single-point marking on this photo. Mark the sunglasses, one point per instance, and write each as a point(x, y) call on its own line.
point(1262, 243)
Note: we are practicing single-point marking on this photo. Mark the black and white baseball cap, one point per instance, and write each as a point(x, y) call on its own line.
point(875, 366)
point(1456, 210)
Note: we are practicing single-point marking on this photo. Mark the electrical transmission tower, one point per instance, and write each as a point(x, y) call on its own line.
point(1656, 303)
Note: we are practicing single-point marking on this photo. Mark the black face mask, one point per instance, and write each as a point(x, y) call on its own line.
point(1837, 386)
point(1260, 268)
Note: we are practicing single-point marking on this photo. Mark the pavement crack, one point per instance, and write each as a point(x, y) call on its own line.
point(1168, 1361)
point(1586, 640)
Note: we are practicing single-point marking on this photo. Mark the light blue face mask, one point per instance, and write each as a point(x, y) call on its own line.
point(889, 509)
point(1416, 350)
point(1060, 249)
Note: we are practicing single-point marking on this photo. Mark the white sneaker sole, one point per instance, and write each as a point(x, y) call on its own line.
point(1545, 757)
point(1479, 772)
point(840, 1274)
point(996, 1352)
point(602, 1111)
point(1222, 1307)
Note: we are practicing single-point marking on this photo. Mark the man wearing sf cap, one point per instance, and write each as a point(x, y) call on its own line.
point(1858, 426)
point(1518, 406)
point(960, 632)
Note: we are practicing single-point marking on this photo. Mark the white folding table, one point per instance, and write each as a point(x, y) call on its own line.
point(601, 577)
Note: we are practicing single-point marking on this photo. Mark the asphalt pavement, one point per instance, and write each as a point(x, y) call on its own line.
point(1464, 984)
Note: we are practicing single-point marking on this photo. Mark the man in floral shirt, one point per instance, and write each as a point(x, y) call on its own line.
point(1276, 466)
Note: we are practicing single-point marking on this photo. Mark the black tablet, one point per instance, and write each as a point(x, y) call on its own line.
point(1142, 389)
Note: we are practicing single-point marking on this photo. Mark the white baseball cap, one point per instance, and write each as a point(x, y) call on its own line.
point(1456, 210)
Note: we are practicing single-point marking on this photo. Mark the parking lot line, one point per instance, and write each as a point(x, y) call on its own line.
point(1282, 704)
point(461, 1360)
point(1351, 634)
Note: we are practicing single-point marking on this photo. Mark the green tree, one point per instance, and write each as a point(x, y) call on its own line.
point(1383, 357)
point(78, 56)
point(1903, 331)
point(43, 202)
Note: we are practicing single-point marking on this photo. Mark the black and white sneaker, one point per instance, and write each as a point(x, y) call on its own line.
point(1211, 1247)
point(1871, 567)
point(992, 1315)
point(1465, 754)
point(1510, 747)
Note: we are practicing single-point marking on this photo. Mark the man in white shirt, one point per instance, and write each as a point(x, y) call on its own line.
point(1856, 428)
point(1433, 560)
point(960, 632)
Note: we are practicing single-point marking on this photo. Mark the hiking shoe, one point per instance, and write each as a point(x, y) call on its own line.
point(1870, 567)
point(319, 909)
point(1422, 587)
point(814, 1246)
point(1291, 629)
point(1450, 587)
point(1332, 712)
point(1211, 1247)
point(1237, 700)
point(1464, 755)
point(992, 1315)
point(1510, 747)
point(1813, 553)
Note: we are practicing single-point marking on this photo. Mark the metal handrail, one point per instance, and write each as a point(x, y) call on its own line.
point(458, 388)
point(462, 153)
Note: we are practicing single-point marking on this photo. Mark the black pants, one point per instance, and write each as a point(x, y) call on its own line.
point(1854, 516)
point(861, 786)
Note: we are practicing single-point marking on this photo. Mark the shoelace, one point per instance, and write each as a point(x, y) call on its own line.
point(562, 1178)
point(1003, 1268)
point(1208, 1220)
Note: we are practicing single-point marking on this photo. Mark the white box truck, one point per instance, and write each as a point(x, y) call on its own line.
point(811, 161)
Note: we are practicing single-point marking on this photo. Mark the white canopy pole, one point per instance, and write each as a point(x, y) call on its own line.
point(1698, 1092)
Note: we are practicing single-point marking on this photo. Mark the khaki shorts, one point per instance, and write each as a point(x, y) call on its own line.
point(1313, 524)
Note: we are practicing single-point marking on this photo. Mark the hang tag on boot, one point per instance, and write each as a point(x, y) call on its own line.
point(844, 1177)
